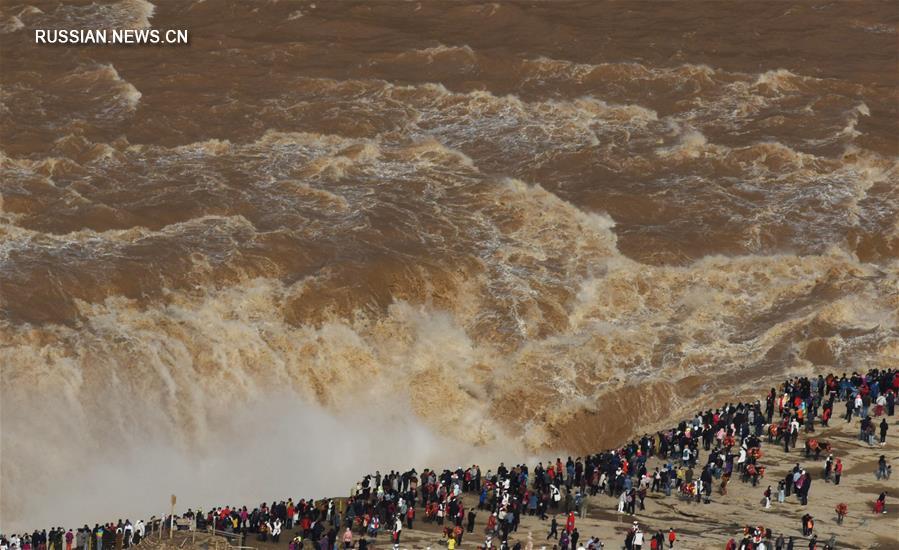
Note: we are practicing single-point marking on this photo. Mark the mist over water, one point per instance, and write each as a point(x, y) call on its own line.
point(330, 238)
point(271, 445)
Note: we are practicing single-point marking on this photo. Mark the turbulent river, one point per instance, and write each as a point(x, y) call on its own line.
point(327, 237)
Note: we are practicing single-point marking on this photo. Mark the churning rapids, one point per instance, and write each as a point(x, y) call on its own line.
point(327, 237)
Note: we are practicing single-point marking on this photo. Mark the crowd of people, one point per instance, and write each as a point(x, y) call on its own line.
point(692, 458)
point(112, 536)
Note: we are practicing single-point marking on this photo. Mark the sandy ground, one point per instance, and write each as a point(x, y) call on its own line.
point(708, 526)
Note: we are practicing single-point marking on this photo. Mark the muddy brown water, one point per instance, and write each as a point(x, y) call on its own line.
point(533, 225)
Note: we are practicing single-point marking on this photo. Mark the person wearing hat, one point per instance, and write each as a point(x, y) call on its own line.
point(638, 538)
point(672, 536)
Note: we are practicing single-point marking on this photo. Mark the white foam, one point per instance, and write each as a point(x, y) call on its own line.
point(125, 92)
point(691, 143)
point(141, 11)
point(11, 24)
point(780, 80)
point(434, 52)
